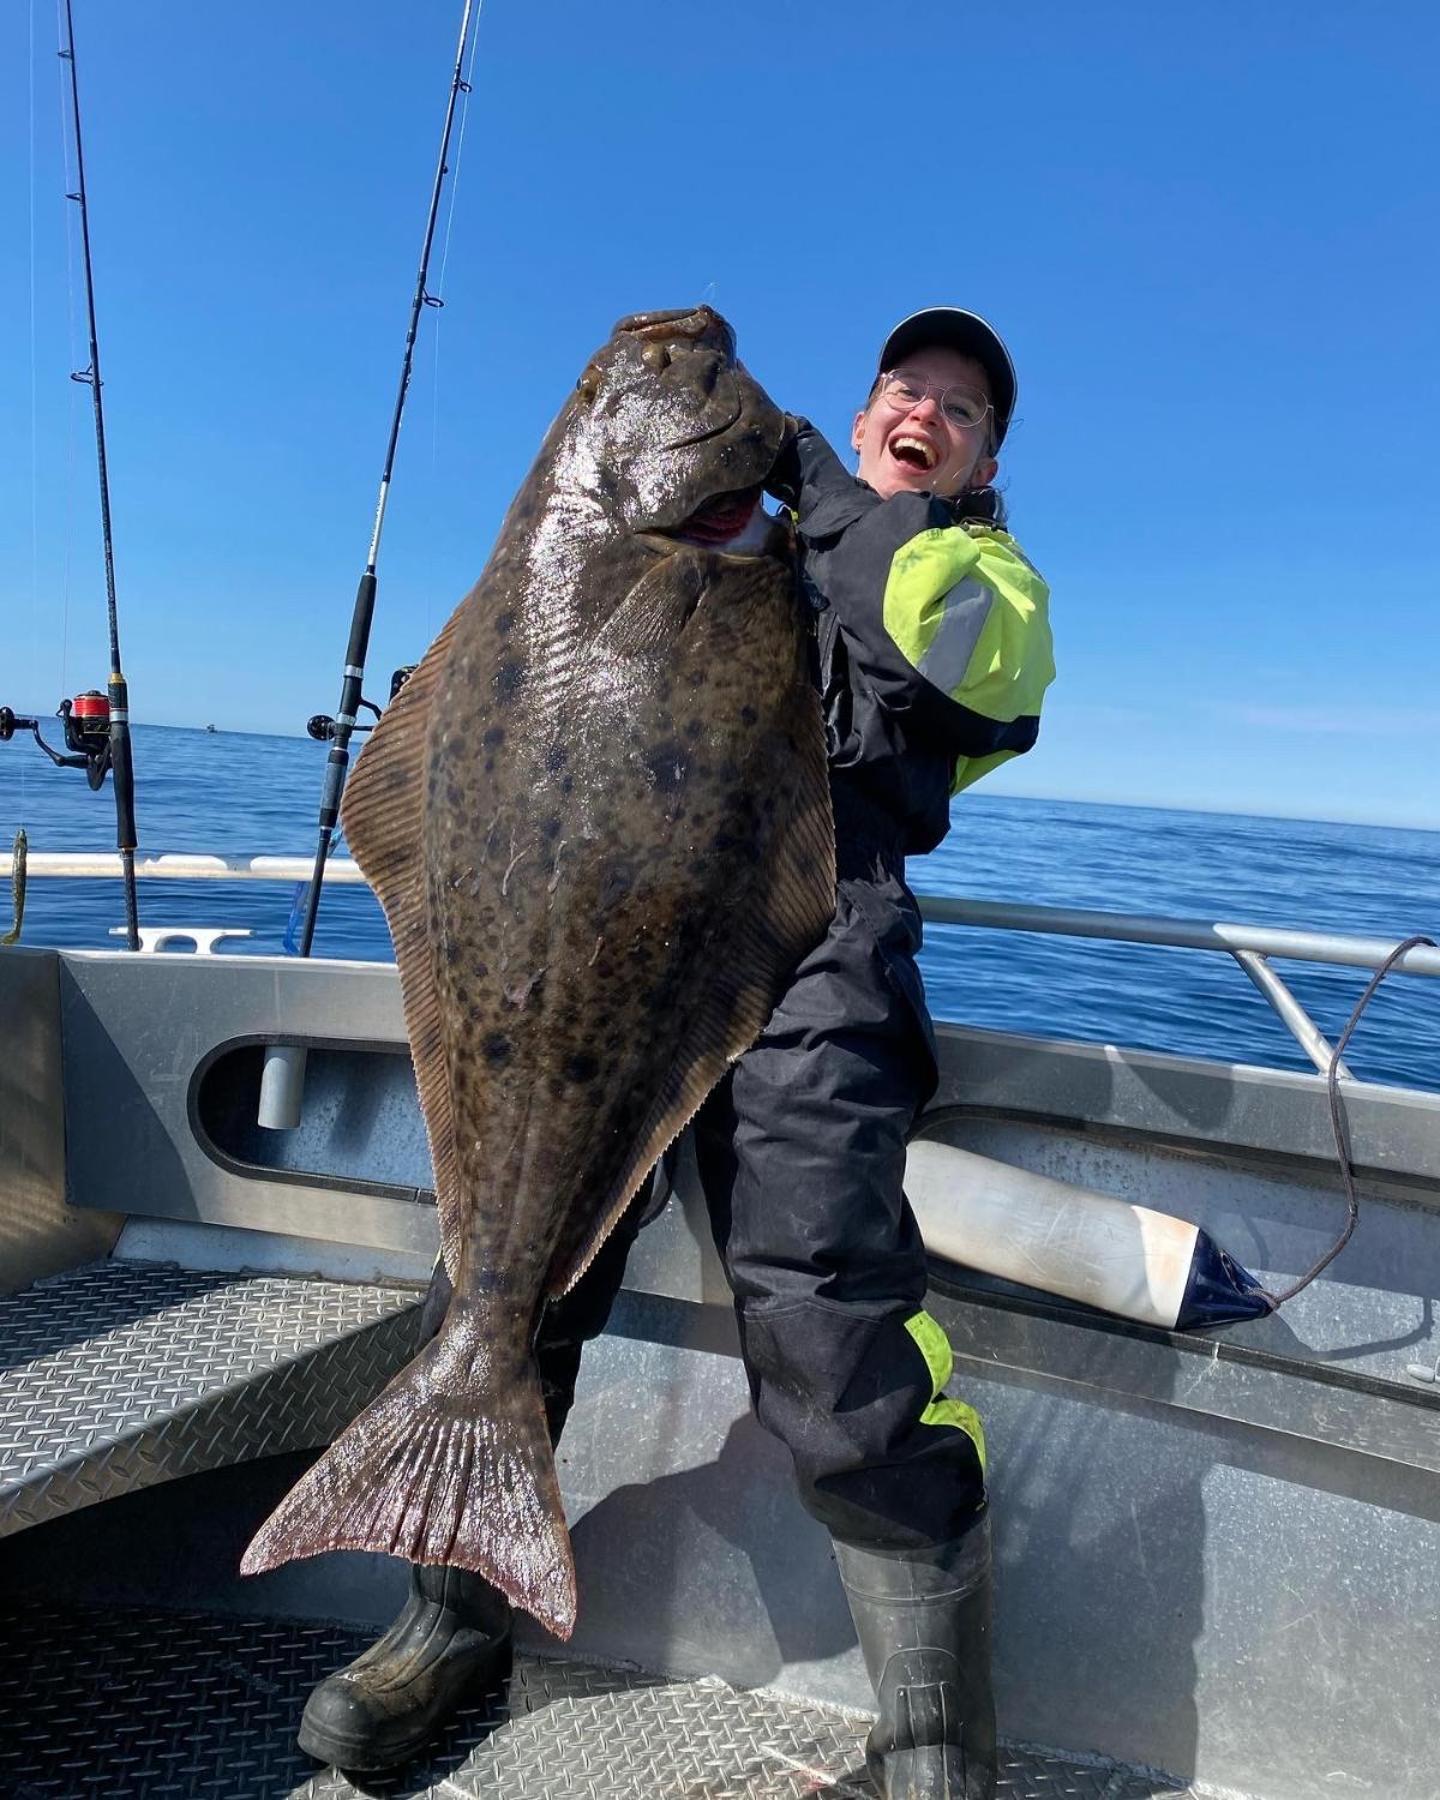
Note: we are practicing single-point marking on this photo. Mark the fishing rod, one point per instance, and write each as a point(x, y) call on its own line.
point(96, 725)
point(122, 768)
point(345, 721)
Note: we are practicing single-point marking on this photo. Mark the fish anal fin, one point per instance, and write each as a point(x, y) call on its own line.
point(383, 818)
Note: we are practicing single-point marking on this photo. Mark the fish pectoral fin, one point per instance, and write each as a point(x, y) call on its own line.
point(383, 816)
point(653, 613)
point(435, 1472)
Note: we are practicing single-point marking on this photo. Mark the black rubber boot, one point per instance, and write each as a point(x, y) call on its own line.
point(451, 1641)
point(923, 1619)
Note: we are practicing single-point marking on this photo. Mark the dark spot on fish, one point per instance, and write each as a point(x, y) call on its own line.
point(490, 1278)
point(497, 1048)
point(494, 737)
point(567, 785)
point(489, 765)
point(748, 715)
point(452, 952)
point(454, 795)
point(550, 830)
point(556, 758)
point(668, 764)
point(693, 728)
point(505, 623)
point(581, 1066)
point(618, 882)
point(697, 678)
point(509, 680)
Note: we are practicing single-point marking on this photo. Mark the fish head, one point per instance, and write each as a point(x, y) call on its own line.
point(676, 433)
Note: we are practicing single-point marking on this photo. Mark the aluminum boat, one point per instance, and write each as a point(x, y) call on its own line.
point(1218, 1556)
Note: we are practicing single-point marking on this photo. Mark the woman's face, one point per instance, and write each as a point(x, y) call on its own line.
point(919, 447)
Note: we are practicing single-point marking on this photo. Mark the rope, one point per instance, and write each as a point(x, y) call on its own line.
point(1337, 1124)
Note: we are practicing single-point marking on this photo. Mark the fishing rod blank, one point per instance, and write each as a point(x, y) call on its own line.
point(118, 725)
point(283, 1071)
point(354, 673)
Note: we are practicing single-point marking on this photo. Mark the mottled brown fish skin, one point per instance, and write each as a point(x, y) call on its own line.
point(598, 819)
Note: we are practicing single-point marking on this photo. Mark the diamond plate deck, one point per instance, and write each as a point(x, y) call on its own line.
point(149, 1706)
point(120, 1375)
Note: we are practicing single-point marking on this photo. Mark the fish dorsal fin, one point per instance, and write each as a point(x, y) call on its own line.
point(762, 932)
point(384, 819)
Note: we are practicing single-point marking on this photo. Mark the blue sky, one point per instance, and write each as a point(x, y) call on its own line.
point(1206, 231)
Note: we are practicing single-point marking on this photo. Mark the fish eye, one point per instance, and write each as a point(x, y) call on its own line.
point(588, 386)
point(656, 356)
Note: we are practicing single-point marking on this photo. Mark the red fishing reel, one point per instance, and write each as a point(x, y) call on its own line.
point(87, 732)
point(86, 723)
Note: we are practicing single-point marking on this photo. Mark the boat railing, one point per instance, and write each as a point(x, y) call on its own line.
point(1254, 947)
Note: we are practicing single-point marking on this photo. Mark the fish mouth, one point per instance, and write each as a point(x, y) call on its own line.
point(733, 524)
point(722, 519)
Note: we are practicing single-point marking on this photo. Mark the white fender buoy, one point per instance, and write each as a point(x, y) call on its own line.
point(1070, 1241)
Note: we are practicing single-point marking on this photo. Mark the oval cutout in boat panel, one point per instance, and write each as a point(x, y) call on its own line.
point(360, 1124)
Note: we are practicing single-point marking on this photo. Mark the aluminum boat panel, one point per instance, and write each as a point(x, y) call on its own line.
point(1217, 1557)
point(39, 1231)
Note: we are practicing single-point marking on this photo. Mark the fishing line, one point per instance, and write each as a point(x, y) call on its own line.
point(340, 728)
point(1338, 1123)
point(445, 259)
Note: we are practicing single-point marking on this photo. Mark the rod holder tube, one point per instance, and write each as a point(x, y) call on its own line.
point(282, 1087)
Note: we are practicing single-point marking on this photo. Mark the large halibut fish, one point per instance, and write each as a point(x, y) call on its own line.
point(598, 819)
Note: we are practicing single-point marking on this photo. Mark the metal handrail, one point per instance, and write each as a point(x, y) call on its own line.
point(1251, 945)
point(182, 866)
point(1335, 947)
point(1339, 948)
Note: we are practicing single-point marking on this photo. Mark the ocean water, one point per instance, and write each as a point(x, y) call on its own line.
point(237, 793)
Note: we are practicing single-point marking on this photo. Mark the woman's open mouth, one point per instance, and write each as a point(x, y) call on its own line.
point(913, 452)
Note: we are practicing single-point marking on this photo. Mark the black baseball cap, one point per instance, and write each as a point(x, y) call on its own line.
point(967, 332)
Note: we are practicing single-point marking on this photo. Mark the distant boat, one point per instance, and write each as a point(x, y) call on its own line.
point(209, 727)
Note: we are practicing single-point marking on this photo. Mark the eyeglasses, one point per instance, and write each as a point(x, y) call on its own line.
point(963, 407)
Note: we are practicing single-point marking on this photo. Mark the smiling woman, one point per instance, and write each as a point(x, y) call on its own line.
point(925, 426)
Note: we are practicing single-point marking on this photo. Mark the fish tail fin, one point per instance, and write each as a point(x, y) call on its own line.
point(422, 1475)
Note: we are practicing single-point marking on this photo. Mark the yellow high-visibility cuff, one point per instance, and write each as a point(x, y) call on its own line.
point(934, 1346)
point(963, 1418)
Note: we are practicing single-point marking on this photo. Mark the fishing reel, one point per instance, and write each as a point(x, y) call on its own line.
point(86, 724)
point(322, 727)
